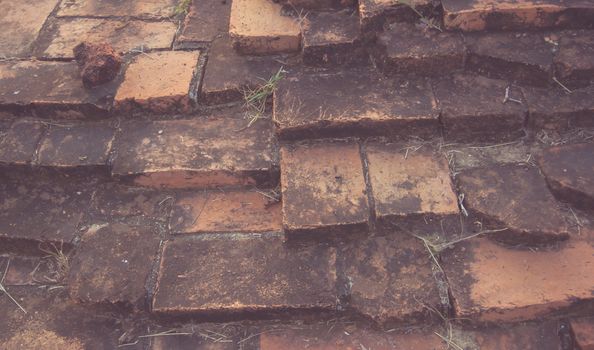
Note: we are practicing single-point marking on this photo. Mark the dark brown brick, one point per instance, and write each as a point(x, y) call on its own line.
point(51, 89)
point(390, 279)
point(101, 8)
point(256, 276)
point(412, 192)
point(409, 50)
point(84, 145)
point(318, 4)
point(493, 283)
point(353, 103)
point(229, 211)
point(574, 63)
point(348, 337)
point(195, 153)
point(524, 58)
point(472, 109)
point(332, 38)
point(19, 143)
point(569, 171)
point(323, 190)
point(205, 21)
point(516, 198)
point(228, 74)
point(475, 15)
point(39, 210)
point(112, 264)
point(374, 13)
point(583, 330)
point(193, 342)
point(555, 109)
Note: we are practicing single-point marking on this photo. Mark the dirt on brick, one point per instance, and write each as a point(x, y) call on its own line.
point(99, 63)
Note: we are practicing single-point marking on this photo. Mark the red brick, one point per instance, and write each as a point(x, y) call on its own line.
point(583, 330)
point(317, 4)
point(256, 276)
point(19, 143)
point(332, 38)
point(409, 50)
point(514, 197)
point(518, 337)
point(390, 280)
point(323, 190)
point(229, 211)
point(468, 103)
point(412, 192)
point(205, 21)
point(524, 58)
point(65, 33)
point(113, 264)
point(259, 27)
point(554, 109)
point(477, 15)
point(28, 271)
point(353, 103)
point(40, 209)
point(20, 24)
point(135, 8)
point(228, 74)
point(569, 171)
point(574, 63)
point(338, 336)
point(51, 89)
point(172, 90)
point(192, 342)
point(195, 153)
point(490, 282)
point(83, 145)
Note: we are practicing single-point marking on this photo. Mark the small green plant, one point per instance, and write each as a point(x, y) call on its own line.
point(182, 7)
point(429, 22)
point(255, 99)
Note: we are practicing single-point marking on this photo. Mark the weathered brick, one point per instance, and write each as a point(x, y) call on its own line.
point(101, 8)
point(583, 330)
point(323, 190)
point(472, 109)
point(64, 34)
point(229, 211)
point(112, 264)
point(205, 21)
point(374, 13)
point(194, 153)
point(259, 27)
point(19, 143)
point(83, 145)
point(490, 282)
point(522, 336)
point(28, 271)
point(257, 276)
point(353, 103)
point(569, 171)
point(389, 279)
point(20, 24)
point(51, 89)
point(338, 336)
point(554, 109)
point(228, 74)
point(412, 192)
point(474, 15)
point(514, 197)
point(38, 210)
point(332, 38)
point(409, 50)
point(317, 4)
point(192, 342)
point(172, 90)
point(574, 63)
point(524, 58)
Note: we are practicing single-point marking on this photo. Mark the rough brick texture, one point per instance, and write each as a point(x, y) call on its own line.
point(19, 142)
point(323, 190)
point(244, 275)
point(205, 21)
point(99, 8)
